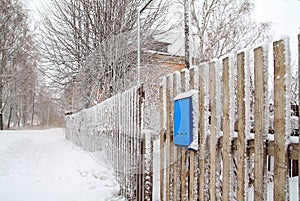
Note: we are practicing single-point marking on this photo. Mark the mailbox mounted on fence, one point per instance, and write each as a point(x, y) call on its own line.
point(183, 118)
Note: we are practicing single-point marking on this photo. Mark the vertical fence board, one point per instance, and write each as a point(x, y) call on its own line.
point(201, 135)
point(192, 153)
point(183, 171)
point(259, 126)
point(135, 138)
point(298, 111)
point(241, 139)
point(280, 166)
point(226, 131)
point(171, 133)
point(162, 139)
point(175, 150)
point(213, 134)
point(168, 121)
point(138, 149)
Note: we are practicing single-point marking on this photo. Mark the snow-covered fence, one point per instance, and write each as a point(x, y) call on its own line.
point(115, 127)
point(243, 143)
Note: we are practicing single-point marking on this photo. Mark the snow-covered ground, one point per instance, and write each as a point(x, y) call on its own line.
point(40, 165)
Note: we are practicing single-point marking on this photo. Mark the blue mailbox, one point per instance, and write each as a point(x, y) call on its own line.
point(183, 121)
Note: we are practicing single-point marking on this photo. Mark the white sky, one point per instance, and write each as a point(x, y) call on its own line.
point(283, 14)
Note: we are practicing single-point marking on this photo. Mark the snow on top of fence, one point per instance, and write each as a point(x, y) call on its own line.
point(186, 94)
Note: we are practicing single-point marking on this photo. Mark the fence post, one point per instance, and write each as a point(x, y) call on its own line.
point(280, 106)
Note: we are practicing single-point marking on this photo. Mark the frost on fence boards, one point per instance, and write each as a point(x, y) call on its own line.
point(114, 126)
point(222, 166)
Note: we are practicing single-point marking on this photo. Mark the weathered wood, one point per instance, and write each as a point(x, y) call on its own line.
point(241, 139)
point(183, 171)
point(201, 154)
point(162, 140)
point(168, 132)
point(175, 165)
point(192, 153)
point(280, 157)
point(213, 135)
point(298, 118)
point(226, 131)
point(259, 125)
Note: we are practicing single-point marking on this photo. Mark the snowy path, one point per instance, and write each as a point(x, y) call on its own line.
point(40, 165)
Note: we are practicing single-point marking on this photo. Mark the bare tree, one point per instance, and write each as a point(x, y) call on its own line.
point(18, 60)
point(222, 26)
point(91, 44)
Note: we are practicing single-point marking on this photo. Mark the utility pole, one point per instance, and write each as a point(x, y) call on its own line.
point(187, 23)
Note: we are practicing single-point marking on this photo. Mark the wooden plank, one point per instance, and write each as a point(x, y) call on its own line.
point(162, 140)
point(260, 157)
point(280, 165)
point(172, 145)
point(201, 189)
point(141, 100)
point(168, 132)
point(134, 147)
point(183, 171)
point(150, 184)
point(191, 152)
point(226, 131)
point(213, 134)
point(175, 150)
point(299, 118)
point(241, 139)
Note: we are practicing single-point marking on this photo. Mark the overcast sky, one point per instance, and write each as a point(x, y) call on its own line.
point(285, 18)
point(284, 15)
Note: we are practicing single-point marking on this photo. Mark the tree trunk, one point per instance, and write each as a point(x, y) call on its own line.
point(33, 99)
point(1, 102)
point(9, 117)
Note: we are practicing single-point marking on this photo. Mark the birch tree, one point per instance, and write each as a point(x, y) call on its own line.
point(223, 26)
point(18, 60)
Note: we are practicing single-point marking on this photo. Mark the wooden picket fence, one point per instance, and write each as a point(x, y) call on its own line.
point(114, 126)
point(236, 151)
point(243, 145)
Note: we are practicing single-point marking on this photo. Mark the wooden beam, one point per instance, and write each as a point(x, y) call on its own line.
point(213, 134)
point(260, 156)
point(241, 139)
point(280, 157)
point(226, 131)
